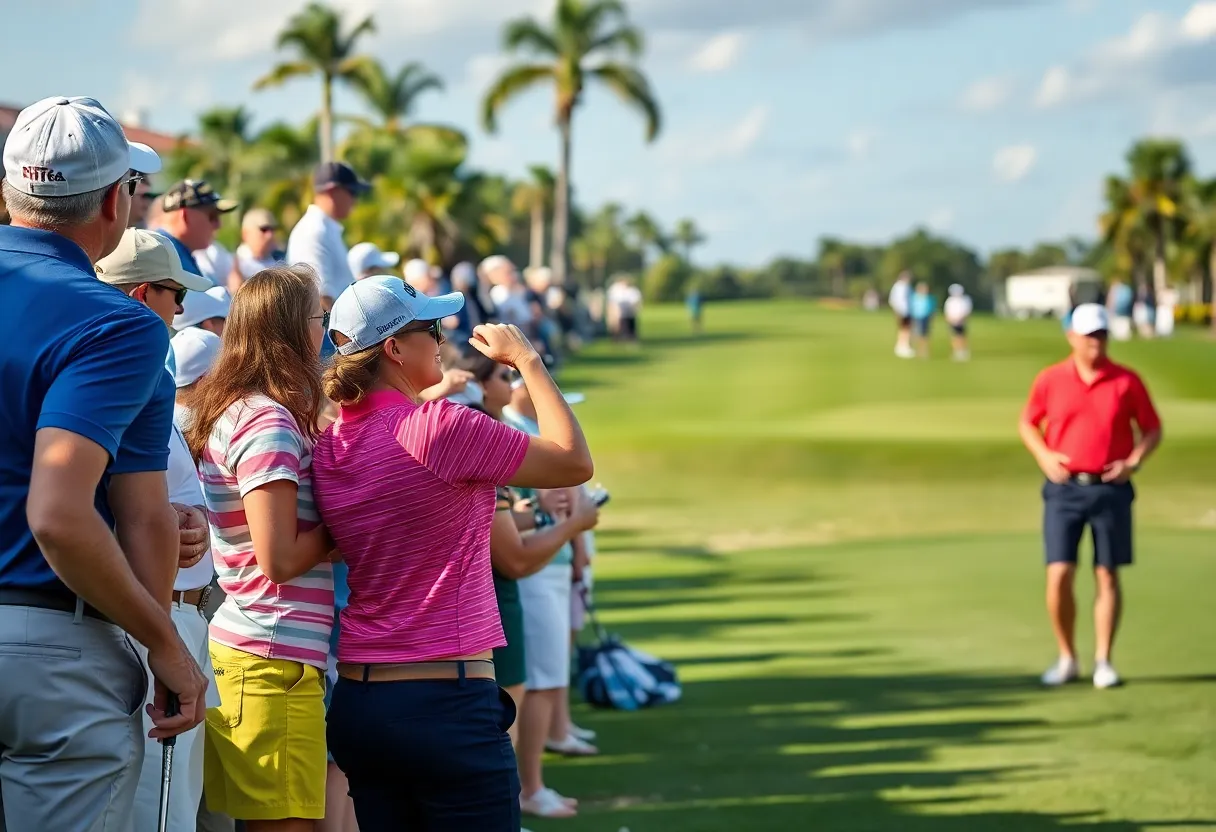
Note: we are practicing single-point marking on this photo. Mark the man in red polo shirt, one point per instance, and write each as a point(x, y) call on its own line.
point(1090, 424)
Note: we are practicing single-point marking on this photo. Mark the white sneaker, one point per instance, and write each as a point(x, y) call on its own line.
point(584, 734)
point(1106, 676)
point(1060, 673)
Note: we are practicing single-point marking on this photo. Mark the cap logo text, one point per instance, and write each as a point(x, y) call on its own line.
point(40, 174)
point(391, 325)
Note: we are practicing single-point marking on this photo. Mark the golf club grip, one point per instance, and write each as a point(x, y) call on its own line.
point(171, 709)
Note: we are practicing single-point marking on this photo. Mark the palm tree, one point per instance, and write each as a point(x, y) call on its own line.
point(1200, 236)
point(392, 98)
point(645, 234)
point(581, 42)
point(323, 48)
point(1159, 170)
point(535, 197)
point(688, 237)
point(1124, 229)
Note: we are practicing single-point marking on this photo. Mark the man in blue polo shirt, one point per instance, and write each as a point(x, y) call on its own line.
point(83, 450)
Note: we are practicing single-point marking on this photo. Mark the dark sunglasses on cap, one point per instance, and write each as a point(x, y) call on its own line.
point(435, 328)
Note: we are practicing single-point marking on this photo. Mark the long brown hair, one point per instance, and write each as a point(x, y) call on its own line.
point(266, 351)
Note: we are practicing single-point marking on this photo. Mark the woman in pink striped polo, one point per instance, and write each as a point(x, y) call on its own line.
point(407, 489)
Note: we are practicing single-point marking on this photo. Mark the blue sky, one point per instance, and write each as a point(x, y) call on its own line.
point(991, 120)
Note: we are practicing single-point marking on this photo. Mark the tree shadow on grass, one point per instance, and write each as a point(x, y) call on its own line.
point(836, 752)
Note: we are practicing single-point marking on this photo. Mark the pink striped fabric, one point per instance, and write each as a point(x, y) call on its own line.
point(407, 492)
point(257, 442)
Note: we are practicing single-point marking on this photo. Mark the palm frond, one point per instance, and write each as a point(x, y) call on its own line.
point(366, 26)
point(599, 13)
point(631, 86)
point(527, 33)
point(513, 81)
point(627, 38)
point(285, 72)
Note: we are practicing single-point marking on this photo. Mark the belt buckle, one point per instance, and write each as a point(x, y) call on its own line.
point(205, 597)
point(1087, 479)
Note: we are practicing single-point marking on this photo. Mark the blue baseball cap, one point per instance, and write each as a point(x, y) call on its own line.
point(376, 308)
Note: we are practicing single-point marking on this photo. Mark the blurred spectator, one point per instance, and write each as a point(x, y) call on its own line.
point(317, 238)
point(1166, 303)
point(366, 259)
point(507, 292)
point(190, 216)
point(474, 312)
point(921, 308)
point(419, 274)
point(206, 310)
point(259, 248)
point(1120, 300)
point(140, 203)
point(694, 304)
point(194, 352)
point(958, 308)
point(624, 304)
point(216, 263)
point(900, 301)
point(1144, 311)
point(871, 301)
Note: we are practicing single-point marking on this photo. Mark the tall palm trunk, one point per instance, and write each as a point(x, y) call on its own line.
point(1159, 271)
point(327, 118)
point(536, 248)
point(561, 207)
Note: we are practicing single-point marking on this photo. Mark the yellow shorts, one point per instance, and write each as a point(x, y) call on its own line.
point(265, 745)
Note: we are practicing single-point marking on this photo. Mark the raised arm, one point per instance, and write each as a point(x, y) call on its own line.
point(559, 457)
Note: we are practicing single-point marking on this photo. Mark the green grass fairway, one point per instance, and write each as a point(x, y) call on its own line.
point(840, 550)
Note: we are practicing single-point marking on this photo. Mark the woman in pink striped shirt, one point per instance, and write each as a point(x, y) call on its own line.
point(253, 419)
point(418, 723)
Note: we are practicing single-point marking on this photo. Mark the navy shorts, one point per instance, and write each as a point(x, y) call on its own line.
point(1106, 508)
point(921, 326)
point(958, 329)
point(423, 755)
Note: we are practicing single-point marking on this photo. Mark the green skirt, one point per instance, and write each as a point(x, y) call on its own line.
point(509, 667)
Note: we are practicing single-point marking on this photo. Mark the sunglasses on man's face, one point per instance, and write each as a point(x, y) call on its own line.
point(323, 318)
point(132, 183)
point(268, 229)
point(179, 293)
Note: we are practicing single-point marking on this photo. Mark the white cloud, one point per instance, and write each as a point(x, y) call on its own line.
point(709, 144)
point(1158, 52)
point(1014, 163)
point(941, 220)
point(861, 143)
point(718, 54)
point(986, 94)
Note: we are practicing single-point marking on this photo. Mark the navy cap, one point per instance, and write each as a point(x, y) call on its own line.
point(338, 175)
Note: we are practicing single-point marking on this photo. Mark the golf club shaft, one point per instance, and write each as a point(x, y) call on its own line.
point(166, 767)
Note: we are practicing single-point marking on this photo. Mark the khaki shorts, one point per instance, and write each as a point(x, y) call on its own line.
point(265, 748)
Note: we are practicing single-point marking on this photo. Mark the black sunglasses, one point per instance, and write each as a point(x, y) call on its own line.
point(323, 317)
point(179, 295)
point(435, 328)
point(132, 183)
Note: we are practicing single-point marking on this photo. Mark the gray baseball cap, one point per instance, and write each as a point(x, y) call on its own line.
point(376, 308)
point(66, 146)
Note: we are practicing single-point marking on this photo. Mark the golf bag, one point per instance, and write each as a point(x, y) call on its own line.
point(611, 674)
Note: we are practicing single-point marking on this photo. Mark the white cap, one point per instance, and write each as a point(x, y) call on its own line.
point(464, 276)
point(376, 308)
point(956, 290)
point(1089, 318)
point(203, 306)
point(417, 269)
point(67, 146)
point(367, 257)
point(194, 351)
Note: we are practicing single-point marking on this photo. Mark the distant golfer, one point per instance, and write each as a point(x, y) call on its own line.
point(900, 299)
point(958, 308)
point(1090, 425)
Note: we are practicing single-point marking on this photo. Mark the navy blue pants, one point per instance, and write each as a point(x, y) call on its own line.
point(426, 755)
point(1106, 508)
